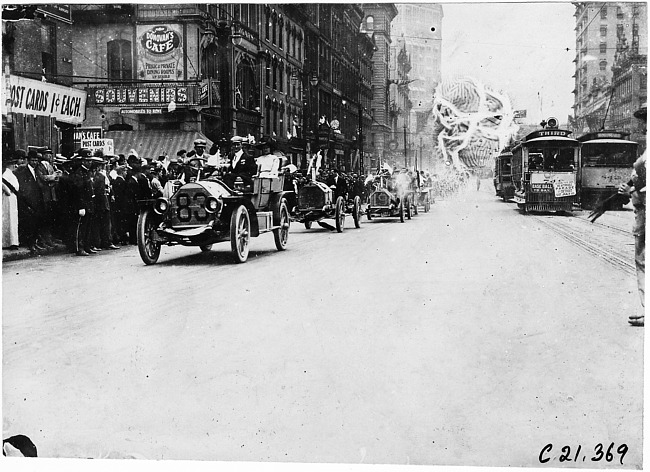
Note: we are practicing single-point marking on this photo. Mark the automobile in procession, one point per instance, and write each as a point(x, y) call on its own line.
point(546, 170)
point(390, 197)
point(607, 159)
point(318, 201)
point(207, 211)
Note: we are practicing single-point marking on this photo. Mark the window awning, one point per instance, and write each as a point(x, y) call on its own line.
point(155, 143)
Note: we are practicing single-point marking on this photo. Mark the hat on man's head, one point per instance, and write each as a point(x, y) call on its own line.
point(133, 159)
point(133, 152)
point(237, 139)
point(181, 152)
point(200, 142)
point(85, 152)
point(33, 154)
point(20, 154)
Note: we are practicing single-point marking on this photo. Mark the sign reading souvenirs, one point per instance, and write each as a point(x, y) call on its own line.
point(33, 97)
point(160, 52)
point(143, 96)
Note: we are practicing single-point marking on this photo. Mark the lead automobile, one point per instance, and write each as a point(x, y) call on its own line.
point(207, 211)
point(388, 199)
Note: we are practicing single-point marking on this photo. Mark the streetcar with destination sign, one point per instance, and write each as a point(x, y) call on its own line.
point(607, 159)
point(502, 179)
point(546, 170)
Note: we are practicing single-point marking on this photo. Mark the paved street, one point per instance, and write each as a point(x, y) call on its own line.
point(470, 335)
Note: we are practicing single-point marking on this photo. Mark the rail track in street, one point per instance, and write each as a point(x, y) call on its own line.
point(610, 242)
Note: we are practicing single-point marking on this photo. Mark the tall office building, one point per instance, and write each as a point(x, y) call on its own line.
point(601, 29)
point(420, 25)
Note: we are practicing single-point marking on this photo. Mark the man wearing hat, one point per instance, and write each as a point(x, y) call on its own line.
point(192, 170)
point(30, 205)
point(241, 164)
point(199, 149)
point(48, 178)
point(635, 189)
point(137, 188)
point(81, 202)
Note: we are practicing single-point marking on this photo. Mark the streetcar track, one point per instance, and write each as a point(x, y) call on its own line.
point(610, 246)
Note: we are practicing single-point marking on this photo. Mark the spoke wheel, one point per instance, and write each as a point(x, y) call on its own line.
point(240, 234)
point(281, 234)
point(148, 248)
point(340, 215)
point(356, 212)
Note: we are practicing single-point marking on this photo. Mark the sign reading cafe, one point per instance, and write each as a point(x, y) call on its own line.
point(33, 97)
point(160, 52)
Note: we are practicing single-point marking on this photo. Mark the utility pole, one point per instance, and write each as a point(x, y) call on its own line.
point(361, 163)
point(405, 149)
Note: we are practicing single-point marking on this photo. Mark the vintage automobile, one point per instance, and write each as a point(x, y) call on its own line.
point(316, 202)
point(424, 198)
point(207, 211)
point(387, 201)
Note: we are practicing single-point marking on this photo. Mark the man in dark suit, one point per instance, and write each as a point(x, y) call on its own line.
point(241, 164)
point(81, 199)
point(30, 203)
point(340, 186)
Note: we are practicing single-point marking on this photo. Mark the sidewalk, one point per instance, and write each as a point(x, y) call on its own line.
point(24, 253)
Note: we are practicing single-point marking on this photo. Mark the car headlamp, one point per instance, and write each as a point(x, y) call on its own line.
point(212, 205)
point(161, 205)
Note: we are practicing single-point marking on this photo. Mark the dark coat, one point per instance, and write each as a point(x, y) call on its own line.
point(245, 166)
point(340, 184)
point(101, 192)
point(119, 191)
point(82, 192)
point(29, 190)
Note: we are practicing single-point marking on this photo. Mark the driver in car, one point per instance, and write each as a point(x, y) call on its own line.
point(241, 164)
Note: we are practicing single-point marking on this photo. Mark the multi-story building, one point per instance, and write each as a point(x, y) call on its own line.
point(41, 107)
point(599, 29)
point(420, 25)
point(629, 93)
point(377, 25)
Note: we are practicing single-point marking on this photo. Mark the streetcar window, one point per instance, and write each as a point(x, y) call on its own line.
point(553, 159)
point(609, 154)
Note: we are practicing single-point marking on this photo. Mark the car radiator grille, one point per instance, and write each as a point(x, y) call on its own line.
point(311, 197)
point(379, 199)
point(187, 207)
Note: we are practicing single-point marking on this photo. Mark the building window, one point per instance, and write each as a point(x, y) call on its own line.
point(603, 48)
point(603, 66)
point(619, 12)
point(370, 23)
point(280, 35)
point(120, 62)
point(619, 31)
point(603, 30)
point(48, 54)
point(603, 12)
point(267, 26)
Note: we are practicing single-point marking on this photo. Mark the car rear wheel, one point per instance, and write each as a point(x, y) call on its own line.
point(408, 208)
point(281, 234)
point(308, 224)
point(356, 212)
point(240, 235)
point(401, 211)
point(340, 215)
point(206, 247)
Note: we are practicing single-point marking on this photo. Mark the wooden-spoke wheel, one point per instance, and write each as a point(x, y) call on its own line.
point(149, 249)
point(240, 233)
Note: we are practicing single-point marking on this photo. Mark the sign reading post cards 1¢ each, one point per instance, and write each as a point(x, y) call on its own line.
point(105, 144)
point(33, 97)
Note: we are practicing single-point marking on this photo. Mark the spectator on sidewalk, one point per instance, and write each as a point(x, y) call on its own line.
point(10, 188)
point(635, 189)
point(82, 205)
point(101, 233)
point(118, 205)
point(30, 204)
point(48, 178)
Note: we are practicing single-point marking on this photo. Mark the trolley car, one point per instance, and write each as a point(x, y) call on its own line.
point(503, 185)
point(607, 159)
point(546, 170)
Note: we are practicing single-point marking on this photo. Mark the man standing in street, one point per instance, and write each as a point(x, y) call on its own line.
point(48, 179)
point(635, 189)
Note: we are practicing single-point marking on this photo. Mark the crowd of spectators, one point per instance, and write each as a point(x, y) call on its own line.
point(88, 202)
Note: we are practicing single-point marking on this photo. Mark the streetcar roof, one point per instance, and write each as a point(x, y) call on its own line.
point(551, 139)
point(609, 141)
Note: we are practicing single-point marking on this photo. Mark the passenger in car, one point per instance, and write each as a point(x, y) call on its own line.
point(241, 165)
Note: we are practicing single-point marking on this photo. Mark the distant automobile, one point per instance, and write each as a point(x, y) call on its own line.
point(387, 200)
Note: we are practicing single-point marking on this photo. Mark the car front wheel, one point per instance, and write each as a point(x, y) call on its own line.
point(340, 215)
point(149, 249)
point(281, 234)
